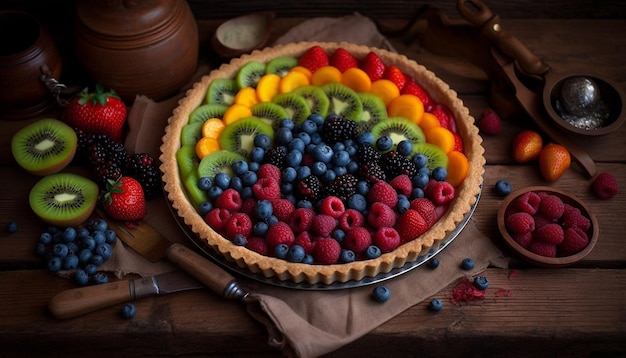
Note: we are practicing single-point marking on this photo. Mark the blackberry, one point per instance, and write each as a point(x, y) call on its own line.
point(142, 167)
point(310, 188)
point(372, 172)
point(394, 164)
point(343, 186)
point(104, 172)
point(367, 154)
point(336, 129)
point(275, 156)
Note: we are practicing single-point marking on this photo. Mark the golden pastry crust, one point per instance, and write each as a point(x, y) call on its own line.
point(466, 193)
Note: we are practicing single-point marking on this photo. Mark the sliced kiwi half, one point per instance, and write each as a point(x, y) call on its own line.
point(399, 129)
point(344, 102)
point(281, 65)
point(187, 160)
point(220, 161)
point(374, 111)
point(295, 105)
point(435, 155)
point(238, 137)
point(44, 147)
point(270, 113)
point(191, 133)
point(222, 91)
point(195, 194)
point(206, 111)
point(63, 199)
point(250, 74)
point(316, 99)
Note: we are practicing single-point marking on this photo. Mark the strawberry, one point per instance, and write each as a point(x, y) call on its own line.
point(99, 113)
point(373, 66)
point(411, 87)
point(395, 75)
point(527, 146)
point(444, 116)
point(343, 60)
point(314, 58)
point(554, 160)
point(383, 192)
point(605, 186)
point(490, 123)
point(124, 199)
point(410, 225)
point(426, 208)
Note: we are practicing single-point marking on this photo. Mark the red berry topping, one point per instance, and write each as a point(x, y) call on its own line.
point(373, 66)
point(387, 239)
point(395, 75)
point(520, 223)
point(304, 239)
point(269, 171)
point(411, 87)
point(283, 209)
point(314, 58)
point(490, 123)
point(357, 239)
point(238, 223)
point(327, 251)
point(323, 225)
point(279, 233)
point(384, 193)
point(402, 184)
point(574, 240)
point(605, 186)
point(258, 245)
point(444, 116)
point(247, 207)
point(343, 60)
point(229, 200)
point(542, 248)
point(458, 143)
point(551, 233)
point(528, 202)
point(349, 219)
point(301, 219)
point(332, 206)
point(440, 192)
point(410, 225)
point(217, 217)
point(541, 221)
point(523, 240)
point(426, 208)
point(551, 207)
point(381, 215)
point(572, 217)
point(266, 189)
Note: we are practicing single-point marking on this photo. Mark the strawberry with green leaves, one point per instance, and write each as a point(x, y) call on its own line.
point(124, 199)
point(97, 112)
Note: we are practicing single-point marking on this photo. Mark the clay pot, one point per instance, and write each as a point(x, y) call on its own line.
point(27, 53)
point(147, 47)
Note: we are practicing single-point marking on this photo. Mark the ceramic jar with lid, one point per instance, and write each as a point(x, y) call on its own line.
point(147, 47)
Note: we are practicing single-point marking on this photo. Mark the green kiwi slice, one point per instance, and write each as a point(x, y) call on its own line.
point(191, 133)
point(217, 162)
point(238, 137)
point(250, 74)
point(436, 156)
point(207, 111)
point(281, 65)
point(196, 196)
point(316, 99)
point(344, 102)
point(222, 91)
point(44, 147)
point(295, 105)
point(269, 113)
point(374, 111)
point(63, 199)
point(187, 160)
point(399, 129)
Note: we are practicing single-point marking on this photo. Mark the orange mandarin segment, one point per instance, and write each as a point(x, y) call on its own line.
point(408, 106)
point(212, 127)
point(326, 74)
point(429, 121)
point(247, 97)
point(305, 71)
point(441, 137)
point(292, 81)
point(267, 87)
point(458, 167)
point(236, 112)
point(386, 90)
point(357, 80)
point(206, 146)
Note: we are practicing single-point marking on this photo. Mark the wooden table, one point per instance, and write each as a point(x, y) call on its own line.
point(573, 312)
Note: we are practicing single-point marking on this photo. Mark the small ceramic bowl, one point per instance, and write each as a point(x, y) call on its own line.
point(243, 34)
point(543, 261)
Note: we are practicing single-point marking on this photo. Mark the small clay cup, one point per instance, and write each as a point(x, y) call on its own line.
point(27, 53)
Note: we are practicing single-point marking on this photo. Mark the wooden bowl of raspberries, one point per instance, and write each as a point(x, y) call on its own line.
point(547, 227)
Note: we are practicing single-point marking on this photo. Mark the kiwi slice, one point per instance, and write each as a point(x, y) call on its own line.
point(316, 99)
point(222, 91)
point(399, 129)
point(206, 111)
point(374, 111)
point(63, 199)
point(436, 156)
point(191, 133)
point(217, 162)
point(295, 105)
point(250, 74)
point(238, 137)
point(269, 113)
point(344, 102)
point(44, 147)
point(196, 196)
point(187, 160)
point(281, 65)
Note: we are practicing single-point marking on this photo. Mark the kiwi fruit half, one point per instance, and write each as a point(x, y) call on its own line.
point(374, 111)
point(63, 199)
point(206, 111)
point(222, 91)
point(344, 102)
point(269, 113)
point(191, 133)
point(435, 155)
point(281, 65)
point(316, 99)
point(238, 137)
point(44, 147)
point(195, 194)
point(399, 129)
point(220, 161)
point(295, 105)
point(187, 160)
point(250, 74)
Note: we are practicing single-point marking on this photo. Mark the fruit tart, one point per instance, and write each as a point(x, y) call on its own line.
point(321, 163)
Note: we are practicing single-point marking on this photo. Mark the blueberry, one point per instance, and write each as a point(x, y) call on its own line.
point(129, 311)
point(316, 118)
point(296, 253)
point(440, 174)
point(308, 126)
point(305, 138)
point(303, 203)
point(338, 235)
point(365, 138)
point(104, 250)
point(384, 143)
point(54, 264)
point(339, 146)
point(91, 269)
point(249, 178)
point(260, 229)
point(318, 168)
point(12, 227)
point(81, 277)
point(346, 256)
point(96, 260)
point(45, 238)
point(69, 262)
point(323, 153)
point(88, 243)
point(420, 160)
point(316, 138)
point(417, 193)
point(222, 180)
point(205, 207)
point(99, 225)
point(262, 141)
point(110, 236)
point(424, 170)
point(481, 283)
point(72, 248)
point(254, 166)
point(381, 293)
point(352, 167)
point(271, 220)
point(236, 183)
point(241, 166)
point(351, 149)
point(263, 209)
point(246, 192)
point(403, 205)
point(281, 250)
point(308, 259)
point(357, 202)
point(405, 148)
point(503, 187)
point(341, 158)
point(435, 305)
point(99, 237)
point(329, 175)
point(467, 264)
point(287, 123)
point(372, 252)
point(60, 250)
point(100, 278)
point(362, 187)
point(83, 233)
point(256, 156)
point(84, 256)
point(283, 136)
point(420, 180)
point(41, 249)
point(302, 172)
point(340, 170)
point(297, 144)
point(293, 158)
point(214, 192)
point(433, 263)
point(286, 188)
point(239, 240)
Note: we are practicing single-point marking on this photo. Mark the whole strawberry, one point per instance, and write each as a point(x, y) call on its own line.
point(314, 58)
point(343, 60)
point(97, 112)
point(124, 199)
point(554, 160)
point(527, 146)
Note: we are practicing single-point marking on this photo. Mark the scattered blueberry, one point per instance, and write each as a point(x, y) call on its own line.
point(381, 293)
point(372, 252)
point(433, 263)
point(467, 264)
point(60, 250)
point(81, 277)
point(481, 283)
point(69, 262)
point(503, 187)
point(129, 311)
point(100, 278)
point(346, 256)
point(54, 264)
point(12, 227)
point(435, 305)
point(280, 251)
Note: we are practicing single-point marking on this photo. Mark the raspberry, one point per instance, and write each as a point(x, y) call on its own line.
point(357, 239)
point(266, 189)
point(490, 123)
point(323, 225)
point(229, 200)
point(572, 217)
point(349, 219)
point(551, 233)
point(402, 184)
point(541, 220)
point(426, 208)
point(304, 239)
point(440, 192)
point(605, 186)
point(523, 240)
point(574, 240)
point(216, 218)
point(268, 170)
point(326, 251)
point(542, 248)
point(386, 238)
point(410, 225)
point(384, 193)
point(551, 207)
point(283, 209)
point(248, 205)
point(528, 202)
point(520, 223)
point(300, 220)
point(238, 223)
point(257, 245)
point(332, 206)
point(381, 215)
point(279, 233)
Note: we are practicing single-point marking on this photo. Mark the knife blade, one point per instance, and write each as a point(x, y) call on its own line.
point(79, 301)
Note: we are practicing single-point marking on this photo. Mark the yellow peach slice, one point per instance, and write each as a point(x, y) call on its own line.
point(326, 74)
point(429, 121)
point(267, 87)
point(357, 80)
point(386, 90)
point(305, 71)
point(441, 137)
point(235, 113)
point(458, 167)
point(247, 97)
point(292, 81)
point(206, 146)
point(212, 128)
point(408, 106)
